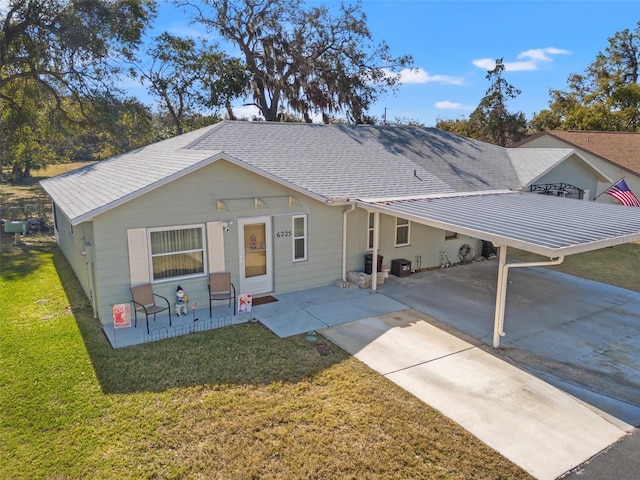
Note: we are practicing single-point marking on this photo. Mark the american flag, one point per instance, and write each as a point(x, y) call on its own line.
point(620, 191)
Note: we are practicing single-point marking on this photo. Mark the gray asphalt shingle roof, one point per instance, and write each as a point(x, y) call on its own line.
point(333, 161)
point(89, 190)
point(324, 161)
point(531, 163)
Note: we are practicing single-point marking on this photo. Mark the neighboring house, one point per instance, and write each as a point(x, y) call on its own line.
point(616, 154)
point(286, 207)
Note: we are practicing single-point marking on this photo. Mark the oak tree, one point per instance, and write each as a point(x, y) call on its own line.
point(61, 53)
point(312, 60)
point(189, 77)
point(605, 97)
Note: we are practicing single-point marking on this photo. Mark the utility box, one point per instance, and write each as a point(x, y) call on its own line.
point(401, 267)
point(368, 263)
point(16, 227)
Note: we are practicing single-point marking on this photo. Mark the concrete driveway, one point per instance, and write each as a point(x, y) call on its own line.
point(564, 387)
point(578, 335)
point(532, 423)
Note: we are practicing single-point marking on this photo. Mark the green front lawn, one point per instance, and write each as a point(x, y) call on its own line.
point(233, 403)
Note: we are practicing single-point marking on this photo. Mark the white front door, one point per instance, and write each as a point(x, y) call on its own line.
point(256, 269)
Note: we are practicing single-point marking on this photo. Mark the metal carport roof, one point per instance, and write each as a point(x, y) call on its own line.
point(549, 226)
point(542, 224)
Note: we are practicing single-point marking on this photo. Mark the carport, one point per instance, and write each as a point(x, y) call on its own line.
point(549, 226)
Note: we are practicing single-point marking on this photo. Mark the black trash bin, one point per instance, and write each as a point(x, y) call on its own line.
point(488, 249)
point(368, 263)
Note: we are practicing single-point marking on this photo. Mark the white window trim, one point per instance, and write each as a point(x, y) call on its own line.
point(304, 236)
point(408, 227)
point(205, 262)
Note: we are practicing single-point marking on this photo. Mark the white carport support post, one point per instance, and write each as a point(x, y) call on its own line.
point(344, 241)
point(501, 291)
point(376, 245)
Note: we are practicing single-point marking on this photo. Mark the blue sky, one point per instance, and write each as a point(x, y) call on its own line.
point(454, 43)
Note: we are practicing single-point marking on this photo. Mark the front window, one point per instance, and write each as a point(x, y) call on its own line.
point(177, 252)
point(402, 232)
point(299, 238)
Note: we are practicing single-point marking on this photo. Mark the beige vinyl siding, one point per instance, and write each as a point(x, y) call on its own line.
point(72, 241)
point(192, 200)
point(324, 247)
point(426, 242)
point(572, 171)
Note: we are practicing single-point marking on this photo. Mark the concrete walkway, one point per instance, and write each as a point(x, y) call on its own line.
point(311, 310)
point(540, 428)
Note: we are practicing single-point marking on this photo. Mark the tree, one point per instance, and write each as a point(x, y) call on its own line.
point(25, 144)
point(606, 97)
point(69, 47)
point(188, 77)
point(491, 121)
point(114, 125)
point(62, 52)
point(304, 59)
point(35, 133)
point(459, 126)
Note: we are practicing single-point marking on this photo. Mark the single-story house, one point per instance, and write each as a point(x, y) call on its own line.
point(286, 207)
point(616, 154)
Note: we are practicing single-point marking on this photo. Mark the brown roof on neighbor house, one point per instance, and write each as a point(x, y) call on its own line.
point(621, 148)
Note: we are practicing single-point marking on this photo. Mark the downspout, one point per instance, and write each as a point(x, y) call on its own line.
point(501, 291)
point(344, 241)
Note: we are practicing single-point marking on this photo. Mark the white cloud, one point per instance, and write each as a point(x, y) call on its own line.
point(485, 63)
point(520, 66)
point(531, 59)
point(447, 105)
point(419, 75)
point(542, 54)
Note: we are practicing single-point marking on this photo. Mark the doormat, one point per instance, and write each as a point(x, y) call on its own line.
point(263, 300)
point(323, 350)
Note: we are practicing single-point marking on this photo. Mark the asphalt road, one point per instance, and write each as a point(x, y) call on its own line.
point(620, 461)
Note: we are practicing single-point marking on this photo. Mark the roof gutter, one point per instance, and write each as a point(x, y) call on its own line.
point(429, 196)
point(501, 291)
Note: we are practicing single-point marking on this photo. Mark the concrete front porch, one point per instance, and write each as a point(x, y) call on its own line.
point(197, 320)
point(294, 313)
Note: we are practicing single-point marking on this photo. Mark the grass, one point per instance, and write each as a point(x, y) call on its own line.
point(614, 265)
point(233, 403)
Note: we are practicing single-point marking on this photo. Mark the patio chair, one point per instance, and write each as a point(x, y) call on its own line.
point(221, 288)
point(144, 300)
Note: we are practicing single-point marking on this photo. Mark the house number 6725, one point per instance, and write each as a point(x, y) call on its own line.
point(286, 233)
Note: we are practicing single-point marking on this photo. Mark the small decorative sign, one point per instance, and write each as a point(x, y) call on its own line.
point(121, 315)
point(244, 302)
